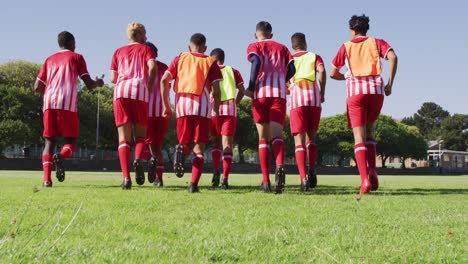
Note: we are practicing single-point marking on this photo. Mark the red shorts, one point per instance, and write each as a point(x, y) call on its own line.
point(130, 111)
point(304, 119)
point(156, 130)
point(193, 129)
point(266, 110)
point(223, 126)
point(60, 123)
point(363, 109)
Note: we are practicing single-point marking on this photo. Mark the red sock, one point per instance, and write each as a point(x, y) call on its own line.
point(264, 156)
point(47, 167)
point(146, 155)
point(197, 167)
point(67, 151)
point(139, 147)
point(360, 153)
point(160, 165)
point(301, 161)
point(371, 152)
point(278, 150)
point(312, 153)
point(227, 161)
point(186, 149)
point(216, 155)
point(124, 157)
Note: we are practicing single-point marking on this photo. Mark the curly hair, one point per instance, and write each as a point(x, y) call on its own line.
point(360, 24)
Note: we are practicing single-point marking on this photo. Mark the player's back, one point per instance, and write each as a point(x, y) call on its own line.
point(273, 56)
point(132, 61)
point(60, 73)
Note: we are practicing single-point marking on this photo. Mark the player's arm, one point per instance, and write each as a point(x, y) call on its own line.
point(322, 77)
point(113, 77)
point(254, 70)
point(39, 86)
point(241, 92)
point(216, 92)
point(90, 83)
point(165, 80)
point(291, 70)
point(392, 64)
point(152, 72)
point(336, 74)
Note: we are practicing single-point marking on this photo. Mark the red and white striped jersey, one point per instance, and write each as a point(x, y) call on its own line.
point(60, 73)
point(193, 105)
point(274, 58)
point(229, 108)
point(365, 84)
point(130, 62)
point(305, 92)
point(155, 99)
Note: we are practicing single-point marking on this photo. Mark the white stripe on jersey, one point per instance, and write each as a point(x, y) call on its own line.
point(226, 108)
point(192, 105)
point(305, 93)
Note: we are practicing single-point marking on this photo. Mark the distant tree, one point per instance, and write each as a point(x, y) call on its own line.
point(171, 137)
point(334, 137)
point(22, 104)
point(389, 136)
point(246, 135)
point(412, 145)
point(13, 132)
point(87, 111)
point(19, 73)
point(454, 132)
point(428, 119)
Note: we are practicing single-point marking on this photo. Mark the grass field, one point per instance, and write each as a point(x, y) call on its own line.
point(88, 218)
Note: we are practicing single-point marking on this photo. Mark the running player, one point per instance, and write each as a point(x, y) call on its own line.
point(223, 127)
point(57, 80)
point(272, 65)
point(133, 71)
point(307, 95)
point(366, 89)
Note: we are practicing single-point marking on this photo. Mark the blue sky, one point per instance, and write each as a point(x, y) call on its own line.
point(430, 40)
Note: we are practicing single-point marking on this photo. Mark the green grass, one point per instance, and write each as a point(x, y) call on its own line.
point(88, 218)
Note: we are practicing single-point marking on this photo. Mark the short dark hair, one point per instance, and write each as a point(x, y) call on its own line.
point(298, 41)
point(264, 27)
point(153, 47)
point(360, 24)
point(198, 39)
point(64, 38)
point(218, 54)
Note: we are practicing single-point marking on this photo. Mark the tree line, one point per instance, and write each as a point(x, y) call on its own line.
point(21, 123)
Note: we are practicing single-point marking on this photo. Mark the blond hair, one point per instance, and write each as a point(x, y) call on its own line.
point(135, 28)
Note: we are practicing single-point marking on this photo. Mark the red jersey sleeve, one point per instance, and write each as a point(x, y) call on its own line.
point(149, 53)
point(252, 49)
point(383, 47)
point(238, 77)
point(42, 76)
point(340, 58)
point(81, 67)
point(172, 69)
point(318, 61)
point(114, 63)
point(214, 74)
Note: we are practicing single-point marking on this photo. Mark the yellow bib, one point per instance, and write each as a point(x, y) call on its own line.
point(305, 67)
point(228, 84)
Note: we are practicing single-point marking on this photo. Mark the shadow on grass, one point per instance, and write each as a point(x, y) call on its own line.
point(289, 190)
